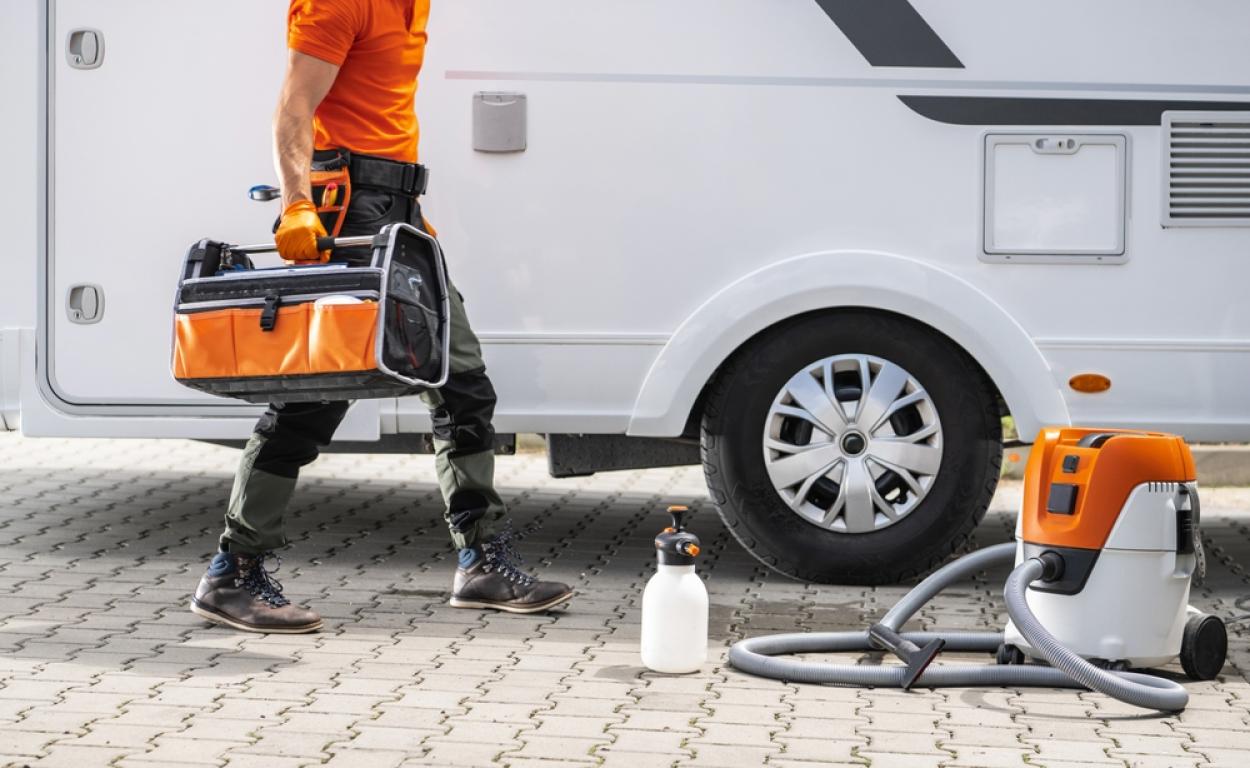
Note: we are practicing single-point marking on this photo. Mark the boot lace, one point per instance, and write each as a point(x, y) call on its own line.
point(502, 557)
point(260, 582)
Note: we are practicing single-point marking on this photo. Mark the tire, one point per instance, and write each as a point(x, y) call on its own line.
point(737, 412)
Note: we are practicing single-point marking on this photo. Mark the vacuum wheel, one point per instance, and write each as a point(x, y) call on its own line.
point(1204, 647)
point(1009, 654)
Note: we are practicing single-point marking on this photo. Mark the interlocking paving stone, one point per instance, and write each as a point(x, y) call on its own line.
point(980, 736)
point(905, 760)
point(82, 756)
point(459, 753)
point(731, 757)
point(820, 749)
point(919, 742)
point(102, 541)
point(615, 758)
point(647, 741)
point(979, 757)
point(249, 760)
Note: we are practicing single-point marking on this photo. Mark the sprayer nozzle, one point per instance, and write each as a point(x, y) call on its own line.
point(678, 513)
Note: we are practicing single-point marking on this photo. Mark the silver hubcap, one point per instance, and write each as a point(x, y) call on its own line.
point(852, 443)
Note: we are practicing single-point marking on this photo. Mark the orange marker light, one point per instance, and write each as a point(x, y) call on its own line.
point(1090, 383)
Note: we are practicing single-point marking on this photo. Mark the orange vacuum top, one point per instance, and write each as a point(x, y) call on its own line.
point(1078, 480)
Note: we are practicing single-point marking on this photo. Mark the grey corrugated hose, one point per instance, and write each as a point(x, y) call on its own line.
point(759, 655)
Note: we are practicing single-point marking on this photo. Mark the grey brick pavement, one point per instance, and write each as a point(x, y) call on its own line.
point(101, 543)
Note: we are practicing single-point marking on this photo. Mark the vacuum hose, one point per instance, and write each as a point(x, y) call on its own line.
point(758, 655)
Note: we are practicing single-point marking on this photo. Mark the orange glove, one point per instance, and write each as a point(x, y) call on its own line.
point(297, 234)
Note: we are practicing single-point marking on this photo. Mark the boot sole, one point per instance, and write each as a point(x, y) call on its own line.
point(216, 617)
point(512, 607)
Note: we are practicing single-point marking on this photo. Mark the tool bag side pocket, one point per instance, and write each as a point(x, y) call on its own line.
point(204, 345)
point(414, 327)
point(416, 322)
point(342, 337)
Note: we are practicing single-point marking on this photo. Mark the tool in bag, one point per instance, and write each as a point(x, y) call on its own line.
point(335, 171)
point(262, 335)
point(331, 189)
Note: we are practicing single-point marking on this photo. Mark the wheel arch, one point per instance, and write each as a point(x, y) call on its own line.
point(839, 280)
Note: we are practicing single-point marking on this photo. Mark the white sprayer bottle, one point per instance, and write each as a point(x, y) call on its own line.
point(674, 604)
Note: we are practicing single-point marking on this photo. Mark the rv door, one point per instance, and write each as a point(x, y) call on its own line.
point(157, 123)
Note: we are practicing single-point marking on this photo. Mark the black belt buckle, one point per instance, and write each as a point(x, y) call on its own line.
point(416, 178)
point(390, 175)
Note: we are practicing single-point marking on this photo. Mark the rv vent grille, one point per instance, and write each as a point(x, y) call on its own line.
point(1207, 157)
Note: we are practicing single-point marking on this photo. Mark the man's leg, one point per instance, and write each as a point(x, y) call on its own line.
point(237, 589)
point(464, 455)
point(464, 439)
point(286, 438)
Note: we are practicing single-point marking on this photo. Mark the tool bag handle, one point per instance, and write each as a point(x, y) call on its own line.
point(206, 258)
point(323, 244)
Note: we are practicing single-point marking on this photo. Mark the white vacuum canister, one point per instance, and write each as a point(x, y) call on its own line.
point(1131, 604)
point(675, 604)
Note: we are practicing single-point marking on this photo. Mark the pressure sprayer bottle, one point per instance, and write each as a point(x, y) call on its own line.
point(674, 604)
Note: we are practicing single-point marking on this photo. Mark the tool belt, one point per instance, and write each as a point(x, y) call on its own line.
point(336, 171)
point(314, 333)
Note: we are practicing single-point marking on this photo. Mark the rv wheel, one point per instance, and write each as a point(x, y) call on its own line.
point(856, 448)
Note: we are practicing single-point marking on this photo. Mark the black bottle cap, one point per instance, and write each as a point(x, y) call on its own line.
point(675, 545)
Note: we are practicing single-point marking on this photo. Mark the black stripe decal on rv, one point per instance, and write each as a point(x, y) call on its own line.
point(987, 110)
point(890, 33)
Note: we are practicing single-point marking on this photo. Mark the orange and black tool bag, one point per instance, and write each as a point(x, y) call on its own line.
point(313, 333)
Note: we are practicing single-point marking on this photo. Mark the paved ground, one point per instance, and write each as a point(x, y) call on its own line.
point(101, 543)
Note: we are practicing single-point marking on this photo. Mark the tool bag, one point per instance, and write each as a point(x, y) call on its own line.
point(261, 335)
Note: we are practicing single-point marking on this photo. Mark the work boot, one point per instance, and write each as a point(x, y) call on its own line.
point(489, 576)
point(238, 591)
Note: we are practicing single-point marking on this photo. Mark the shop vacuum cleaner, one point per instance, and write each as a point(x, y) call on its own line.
point(1107, 544)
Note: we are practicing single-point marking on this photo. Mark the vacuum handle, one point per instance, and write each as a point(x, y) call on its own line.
point(1189, 531)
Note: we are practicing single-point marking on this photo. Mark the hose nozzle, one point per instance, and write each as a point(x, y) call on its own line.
point(915, 657)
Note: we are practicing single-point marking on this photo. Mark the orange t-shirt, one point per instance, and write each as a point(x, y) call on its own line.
point(379, 46)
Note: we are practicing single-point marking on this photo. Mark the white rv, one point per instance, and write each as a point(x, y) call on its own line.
point(827, 242)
